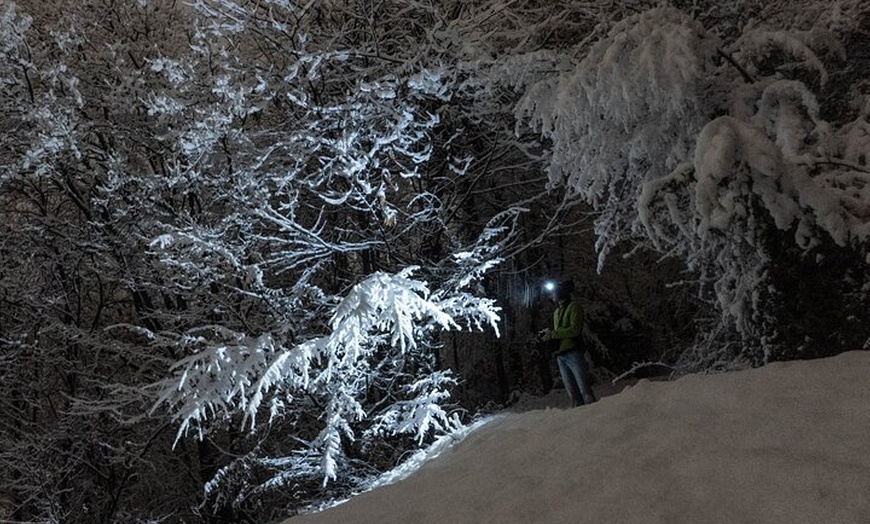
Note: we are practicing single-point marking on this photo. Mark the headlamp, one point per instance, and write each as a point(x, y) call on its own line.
point(549, 285)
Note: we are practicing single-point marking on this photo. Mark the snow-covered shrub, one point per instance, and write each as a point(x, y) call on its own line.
point(374, 331)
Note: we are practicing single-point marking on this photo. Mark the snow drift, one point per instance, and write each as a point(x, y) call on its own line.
point(786, 443)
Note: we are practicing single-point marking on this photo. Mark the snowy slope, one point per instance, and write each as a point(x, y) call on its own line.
point(787, 443)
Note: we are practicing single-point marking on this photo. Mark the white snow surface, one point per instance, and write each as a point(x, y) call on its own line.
point(786, 443)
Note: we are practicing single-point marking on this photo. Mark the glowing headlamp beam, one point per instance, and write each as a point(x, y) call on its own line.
point(549, 285)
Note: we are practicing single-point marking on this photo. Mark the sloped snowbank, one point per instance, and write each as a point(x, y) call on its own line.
point(787, 443)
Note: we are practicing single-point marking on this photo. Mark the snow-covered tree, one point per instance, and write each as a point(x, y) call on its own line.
point(71, 449)
point(308, 162)
point(239, 206)
point(706, 149)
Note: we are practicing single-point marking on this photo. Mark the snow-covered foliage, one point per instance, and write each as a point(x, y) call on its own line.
point(231, 195)
point(211, 212)
point(373, 333)
point(629, 109)
point(307, 168)
point(698, 149)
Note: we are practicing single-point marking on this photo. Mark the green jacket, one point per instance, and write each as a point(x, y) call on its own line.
point(568, 322)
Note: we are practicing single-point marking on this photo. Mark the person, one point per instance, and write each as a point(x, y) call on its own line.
point(568, 326)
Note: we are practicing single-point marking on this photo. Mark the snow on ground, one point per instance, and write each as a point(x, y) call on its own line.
point(786, 443)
